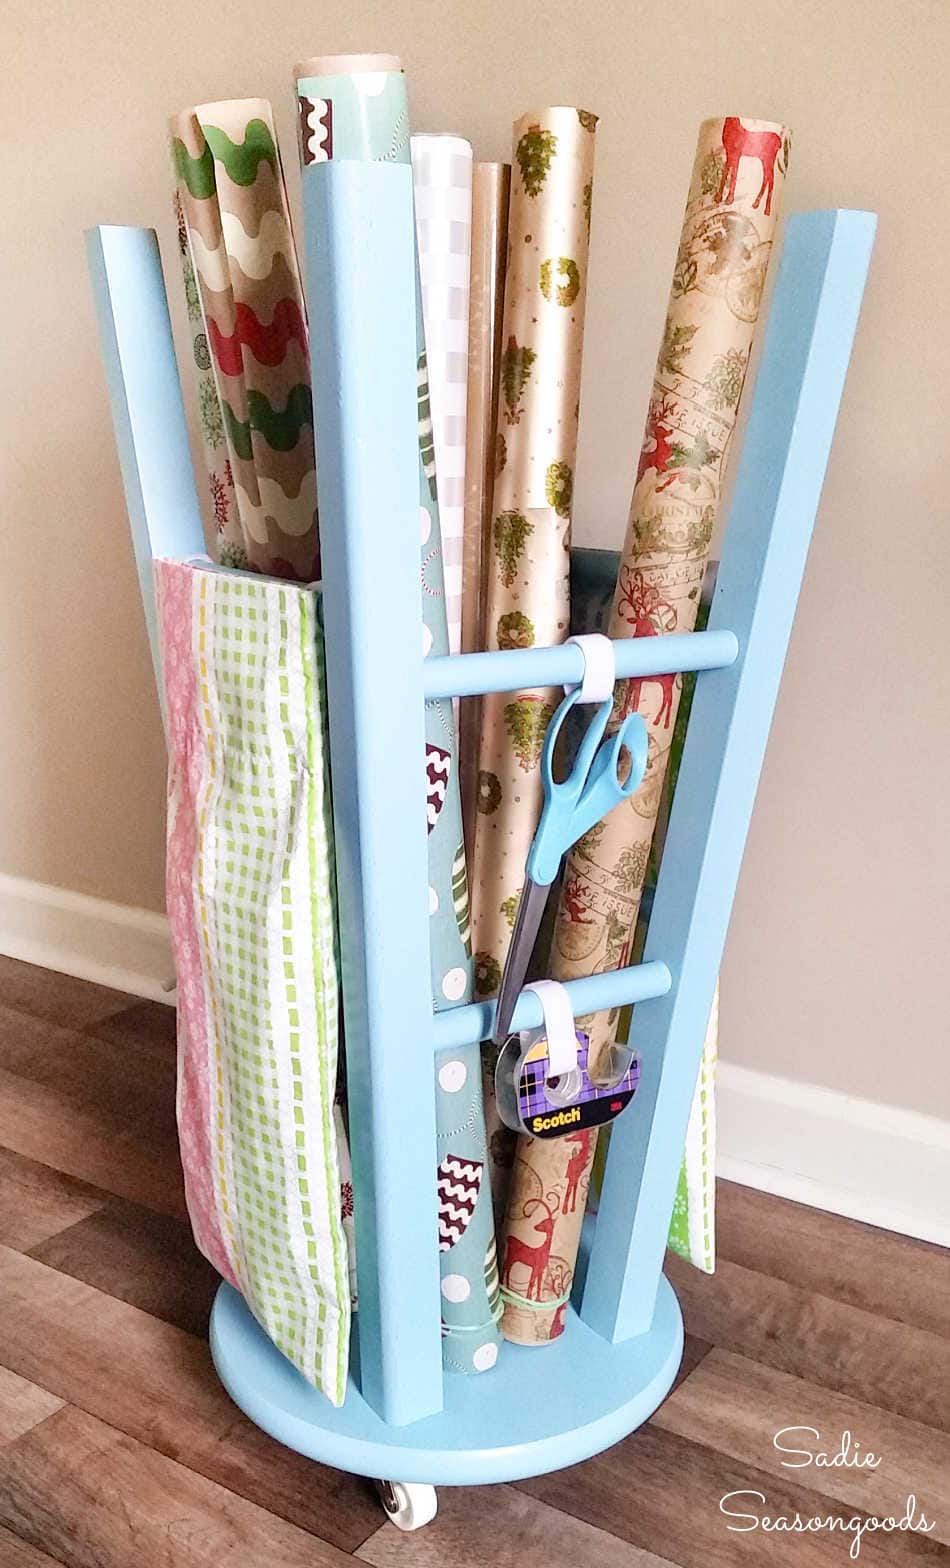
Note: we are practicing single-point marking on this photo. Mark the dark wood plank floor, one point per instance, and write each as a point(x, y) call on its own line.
point(119, 1449)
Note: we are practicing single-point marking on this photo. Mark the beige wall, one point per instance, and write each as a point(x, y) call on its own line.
point(837, 964)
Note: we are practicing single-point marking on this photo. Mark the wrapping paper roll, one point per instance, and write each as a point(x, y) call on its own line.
point(491, 184)
point(527, 588)
point(356, 107)
point(527, 597)
point(693, 1226)
point(227, 524)
point(718, 280)
point(232, 192)
point(346, 1199)
point(442, 183)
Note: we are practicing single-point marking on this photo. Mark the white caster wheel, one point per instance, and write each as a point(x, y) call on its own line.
point(408, 1504)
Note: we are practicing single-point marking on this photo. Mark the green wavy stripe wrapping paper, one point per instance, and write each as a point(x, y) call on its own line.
point(237, 221)
point(356, 107)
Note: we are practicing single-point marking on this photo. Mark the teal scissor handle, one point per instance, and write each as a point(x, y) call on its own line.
point(592, 788)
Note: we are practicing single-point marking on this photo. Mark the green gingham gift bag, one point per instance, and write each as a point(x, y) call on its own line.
point(250, 903)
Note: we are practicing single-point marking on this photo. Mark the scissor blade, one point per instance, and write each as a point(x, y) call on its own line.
point(534, 897)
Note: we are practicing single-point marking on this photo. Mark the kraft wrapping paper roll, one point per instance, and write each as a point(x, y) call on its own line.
point(357, 107)
point(442, 183)
point(232, 191)
point(491, 184)
point(229, 536)
point(527, 589)
point(718, 280)
point(693, 1225)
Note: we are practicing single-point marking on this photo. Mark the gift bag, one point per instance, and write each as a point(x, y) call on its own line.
point(693, 1225)
point(250, 904)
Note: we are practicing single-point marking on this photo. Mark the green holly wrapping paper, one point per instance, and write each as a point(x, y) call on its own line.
point(356, 106)
point(718, 280)
point(227, 523)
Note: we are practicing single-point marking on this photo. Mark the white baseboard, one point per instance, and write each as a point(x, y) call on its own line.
point(877, 1163)
point(110, 944)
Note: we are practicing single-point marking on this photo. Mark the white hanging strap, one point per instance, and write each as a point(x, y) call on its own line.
point(558, 1025)
point(600, 668)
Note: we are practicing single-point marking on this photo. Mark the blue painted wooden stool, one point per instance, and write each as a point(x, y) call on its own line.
point(537, 1410)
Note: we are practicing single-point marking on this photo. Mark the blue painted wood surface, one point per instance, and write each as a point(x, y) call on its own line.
point(801, 377)
point(145, 396)
point(537, 1410)
point(360, 285)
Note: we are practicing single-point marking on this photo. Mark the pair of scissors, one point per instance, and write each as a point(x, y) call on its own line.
point(597, 782)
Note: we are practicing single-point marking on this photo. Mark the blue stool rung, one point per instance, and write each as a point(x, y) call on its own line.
point(517, 669)
point(594, 994)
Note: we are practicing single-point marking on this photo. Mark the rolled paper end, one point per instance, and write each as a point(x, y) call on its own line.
point(226, 112)
point(531, 116)
point(729, 149)
point(445, 142)
point(346, 64)
point(491, 179)
point(746, 123)
point(243, 109)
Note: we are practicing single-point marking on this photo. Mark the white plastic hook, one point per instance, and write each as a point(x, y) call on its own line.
point(558, 1025)
point(600, 667)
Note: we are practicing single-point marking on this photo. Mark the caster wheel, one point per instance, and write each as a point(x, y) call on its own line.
point(408, 1504)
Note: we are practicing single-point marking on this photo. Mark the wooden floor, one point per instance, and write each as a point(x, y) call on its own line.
point(118, 1448)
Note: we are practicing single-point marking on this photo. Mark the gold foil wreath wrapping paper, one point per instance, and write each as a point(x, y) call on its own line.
point(491, 183)
point(237, 219)
point(527, 581)
point(718, 280)
point(526, 598)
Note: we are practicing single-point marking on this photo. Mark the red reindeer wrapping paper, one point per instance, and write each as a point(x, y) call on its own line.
point(718, 280)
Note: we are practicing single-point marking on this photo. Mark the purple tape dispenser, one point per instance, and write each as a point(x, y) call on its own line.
point(542, 1085)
